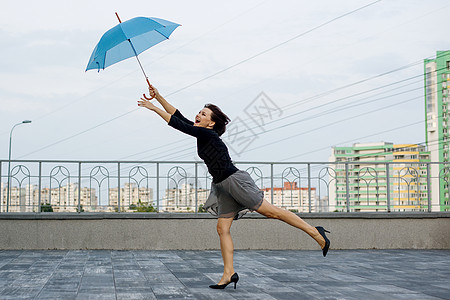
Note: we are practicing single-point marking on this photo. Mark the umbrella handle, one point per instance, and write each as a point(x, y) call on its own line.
point(118, 18)
point(149, 85)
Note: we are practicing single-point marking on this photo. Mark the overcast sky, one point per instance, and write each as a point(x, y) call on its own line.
point(330, 73)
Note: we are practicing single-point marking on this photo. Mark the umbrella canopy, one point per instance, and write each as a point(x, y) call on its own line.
point(129, 39)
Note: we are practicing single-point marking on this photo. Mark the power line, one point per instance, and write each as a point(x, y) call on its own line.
point(298, 134)
point(336, 122)
point(157, 59)
point(318, 115)
point(315, 97)
point(327, 125)
point(126, 75)
point(155, 148)
point(334, 110)
point(443, 140)
point(343, 98)
point(275, 46)
point(77, 134)
point(217, 73)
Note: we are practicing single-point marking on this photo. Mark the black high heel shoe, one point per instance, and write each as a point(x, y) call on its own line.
point(322, 231)
point(234, 278)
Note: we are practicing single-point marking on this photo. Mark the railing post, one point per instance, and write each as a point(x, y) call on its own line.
point(40, 187)
point(118, 187)
point(347, 187)
point(309, 187)
point(388, 189)
point(428, 187)
point(196, 187)
point(79, 187)
point(1, 188)
point(8, 191)
point(157, 187)
point(271, 183)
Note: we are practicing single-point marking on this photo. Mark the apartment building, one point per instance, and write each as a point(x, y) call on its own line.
point(61, 199)
point(367, 171)
point(183, 198)
point(292, 197)
point(437, 126)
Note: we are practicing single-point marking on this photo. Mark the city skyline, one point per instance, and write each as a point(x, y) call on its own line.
point(184, 198)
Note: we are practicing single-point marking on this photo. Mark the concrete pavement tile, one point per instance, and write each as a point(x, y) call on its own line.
point(93, 271)
point(134, 289)
point(385, 288)
point(128, 273)
point(95, 296)
point(63, 295)
point(269, 289)
point(135, 296)
point(170, 290)
point(155, 278)
point(96, 290)
point(97, 281)
point(407, 296)
point(16, 292)
point(131, 282)
point(206, 294)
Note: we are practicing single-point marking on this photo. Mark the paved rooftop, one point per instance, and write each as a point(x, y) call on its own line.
point(350, 274)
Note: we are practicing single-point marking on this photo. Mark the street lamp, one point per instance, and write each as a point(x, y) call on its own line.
point(9, 162)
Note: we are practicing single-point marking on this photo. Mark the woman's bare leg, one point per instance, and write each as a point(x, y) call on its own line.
point(290, 218)
point(226, 247)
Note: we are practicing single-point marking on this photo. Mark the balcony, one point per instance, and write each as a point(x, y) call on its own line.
point(98, 244)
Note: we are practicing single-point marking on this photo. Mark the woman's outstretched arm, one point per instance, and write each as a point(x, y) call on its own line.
point(155, 94)
point(147, 104)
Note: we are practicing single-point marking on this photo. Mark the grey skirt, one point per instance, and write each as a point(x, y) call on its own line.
point(234, 196)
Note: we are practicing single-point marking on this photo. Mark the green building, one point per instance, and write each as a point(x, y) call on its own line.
point(368, 167)
point(437, 81)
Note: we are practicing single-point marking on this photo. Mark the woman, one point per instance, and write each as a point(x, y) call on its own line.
point(233, 191)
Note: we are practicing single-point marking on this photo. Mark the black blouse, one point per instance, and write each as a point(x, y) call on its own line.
point(210, 147)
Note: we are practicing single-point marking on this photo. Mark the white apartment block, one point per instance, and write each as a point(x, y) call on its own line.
point(62, 199)
point(130, 195)
point(183, 199)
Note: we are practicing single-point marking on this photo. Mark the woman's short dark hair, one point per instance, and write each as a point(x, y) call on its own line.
point(221, 120)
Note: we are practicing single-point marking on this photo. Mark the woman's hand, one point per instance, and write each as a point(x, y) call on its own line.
point(147, 104)
point(153, 93)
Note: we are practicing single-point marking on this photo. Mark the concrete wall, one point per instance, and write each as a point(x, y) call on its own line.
point(198, 232)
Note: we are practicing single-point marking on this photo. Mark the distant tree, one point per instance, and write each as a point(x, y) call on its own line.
point(46, 208)
point(81, 209)
point(201, 209)
point(143, 207)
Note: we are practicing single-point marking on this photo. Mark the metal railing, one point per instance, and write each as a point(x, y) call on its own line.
point(183, 186)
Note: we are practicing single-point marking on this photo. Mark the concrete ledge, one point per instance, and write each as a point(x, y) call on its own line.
point(161, 231)
point(332, 215)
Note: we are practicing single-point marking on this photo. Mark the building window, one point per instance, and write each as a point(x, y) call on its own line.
point(448, 65)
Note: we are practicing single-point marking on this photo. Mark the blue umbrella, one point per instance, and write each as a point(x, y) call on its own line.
point(129, 39)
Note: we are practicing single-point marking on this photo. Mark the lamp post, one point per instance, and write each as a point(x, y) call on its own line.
point(9, 162)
